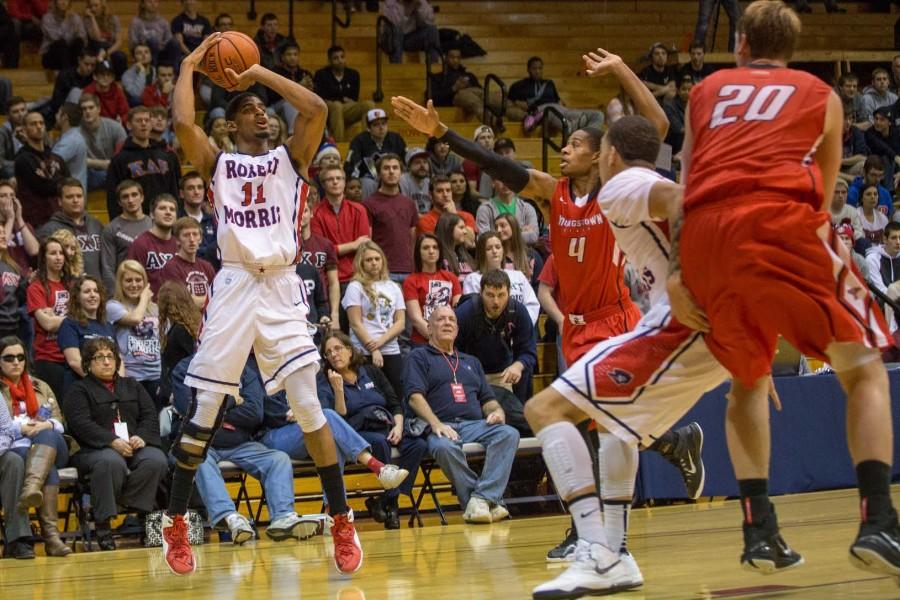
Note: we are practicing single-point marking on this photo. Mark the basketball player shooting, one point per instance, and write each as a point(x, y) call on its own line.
point(257, 301)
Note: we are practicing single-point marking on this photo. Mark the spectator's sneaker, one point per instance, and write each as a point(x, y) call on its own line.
point(765, 551)
point(292, 526)
point(240, 529)
point(498, 513)
point(477, 511)
point(686, 457)
point(596, 570)
point(348, 552)
point(391, 476)
point(175, 546)
point(877, 549)
point(531, 121)
point(565, 551)
point(635, 577)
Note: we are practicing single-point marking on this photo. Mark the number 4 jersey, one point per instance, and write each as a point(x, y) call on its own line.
point(258, 200)
point(756, 128)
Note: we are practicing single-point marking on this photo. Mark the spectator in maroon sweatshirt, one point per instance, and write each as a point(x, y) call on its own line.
point(155, 247)
point(185, 267)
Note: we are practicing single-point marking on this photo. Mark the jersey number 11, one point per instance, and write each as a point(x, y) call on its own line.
point(248, 194)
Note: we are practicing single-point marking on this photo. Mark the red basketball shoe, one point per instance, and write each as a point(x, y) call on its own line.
point(176, 548)
point(348, 553)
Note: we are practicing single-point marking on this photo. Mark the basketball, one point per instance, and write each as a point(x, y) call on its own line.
point(234, 50)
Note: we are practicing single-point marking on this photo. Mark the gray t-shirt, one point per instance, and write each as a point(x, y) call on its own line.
point(102, 142)
point(420, 192)
point(115, 241)
point(139, 345)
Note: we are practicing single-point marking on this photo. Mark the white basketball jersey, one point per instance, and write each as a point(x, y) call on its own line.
point(258, 201)
point(625, 200)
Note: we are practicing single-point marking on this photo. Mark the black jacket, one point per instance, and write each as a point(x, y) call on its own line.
point(363, 147)
point(329, 88)
point(37, 174)
point(442, 85)
point(154, 167)
point(90, 411)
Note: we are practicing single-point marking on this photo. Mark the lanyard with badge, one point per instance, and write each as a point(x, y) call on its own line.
point(456, 388)
point(119, 426)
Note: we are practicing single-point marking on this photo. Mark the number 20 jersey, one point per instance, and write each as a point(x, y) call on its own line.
point(755, 129)
point(258, 200)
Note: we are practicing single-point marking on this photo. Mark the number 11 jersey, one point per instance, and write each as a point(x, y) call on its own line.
point(258, 200)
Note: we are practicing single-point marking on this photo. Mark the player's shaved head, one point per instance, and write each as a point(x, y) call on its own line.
point(771, 28)
point(635, 139)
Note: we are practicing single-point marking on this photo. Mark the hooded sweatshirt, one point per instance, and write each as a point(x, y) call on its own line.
point(154, 167)
point(883, 270)
point(87, 234)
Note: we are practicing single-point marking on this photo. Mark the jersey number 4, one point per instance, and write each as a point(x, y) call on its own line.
point(749, 103)
point(248, 194)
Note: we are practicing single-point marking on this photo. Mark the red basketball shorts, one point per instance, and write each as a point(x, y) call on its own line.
point(600, 325)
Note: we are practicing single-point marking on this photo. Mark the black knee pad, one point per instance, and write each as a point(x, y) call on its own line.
point(185, 454)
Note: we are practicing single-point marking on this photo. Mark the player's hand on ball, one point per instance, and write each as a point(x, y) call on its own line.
point(244, 79)
point(195, 58)
point(600, 62)
point(423, 118)
point(684, 307)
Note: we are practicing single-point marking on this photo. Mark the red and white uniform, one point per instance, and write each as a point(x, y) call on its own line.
point(757, 251)
point(256, 301)
point(637, 385)
point(590, 269)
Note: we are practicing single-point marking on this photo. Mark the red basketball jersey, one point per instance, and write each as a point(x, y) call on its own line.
point(756, 128)
point(588, 262)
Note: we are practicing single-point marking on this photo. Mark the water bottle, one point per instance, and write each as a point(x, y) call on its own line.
point(44, 413)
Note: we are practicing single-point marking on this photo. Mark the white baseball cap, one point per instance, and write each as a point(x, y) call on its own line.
point(375, 114)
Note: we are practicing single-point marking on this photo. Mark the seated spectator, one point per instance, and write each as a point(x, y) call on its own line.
point(37, 428)
point(659, 77)
point(353, 190)
point(72, 250)
point(319, 315)
point(463, 196)
point(194, 204)
point(102, 136)
point(21, 242)
point(449, 392)
point(12, 290)
point(117, 237)
point(428, 287)
point(86, 319)
point(848, 91)
point(415, 182)
point(376, 311)
point(489, 255)
point(38, 173)
point(506, 201)
point(105, 35)
point(507, 148)
point(117, 430)
point(412, 28)
point(161, 132)
point(441, 160)
point(63, 36)
point(479, 181)
point(442, 202)
point(113, 103)
point(456, 242)
point(873, 173)
point(11, 134)
point(877, 95)
point(844, 214)
point(732, 9)
point(696, 68)
point(73, 79)
point(17, 533)
point(179, 326)
point(854, 151)
point(71, 146)
point(530, 96)
point(278, 131)
point(341, 221)
point(26, 20)
point(455, 86)
point(150, 28)
point(327, 156)
point(156, 246)
point(72, 216)
point(289, 67)
point(319, 252)
point(872, 220)
point(139, 75)
point(548, 296)
point(367, 147)
point(186, 267)
point(362, 395)
point(189, 27)
point(338, 85)
point(393, 217)
point(516, 253)
point(675, 110)
point(217, 134)
point(883, 140)
point(831, 6)
point(48, 301)
point(136, 319)
point(883, 262)
point(159, 93)
point(845, 233)
point(619, 106)
point(270, 43)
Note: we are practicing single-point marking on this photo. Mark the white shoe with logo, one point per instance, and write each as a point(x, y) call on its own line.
point(392, 476)
point(595, 570)
point(631, 567)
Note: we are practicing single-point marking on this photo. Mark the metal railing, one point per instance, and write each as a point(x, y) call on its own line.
point(489, 115)
point(546, 141)
point(381, 26)
point(337, 22)
point(428, 73)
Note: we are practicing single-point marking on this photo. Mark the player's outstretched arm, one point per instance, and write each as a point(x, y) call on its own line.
point(193, 139)
point(528, 182)
point(311, 111)
point(601, 62)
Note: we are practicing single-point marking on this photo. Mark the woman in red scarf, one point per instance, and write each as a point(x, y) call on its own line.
point(38, 428)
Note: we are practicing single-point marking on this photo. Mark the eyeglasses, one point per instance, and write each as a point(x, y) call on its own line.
point(104, 357)
point(9, 358)
point(335, 350)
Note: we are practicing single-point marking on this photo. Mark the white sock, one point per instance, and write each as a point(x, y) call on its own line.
point(615, 523)
point(588, 519)
point(618, 464)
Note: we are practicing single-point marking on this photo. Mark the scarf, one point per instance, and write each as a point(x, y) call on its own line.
point(24, 392)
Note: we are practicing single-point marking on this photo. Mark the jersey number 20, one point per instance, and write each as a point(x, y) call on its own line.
point(750, 103)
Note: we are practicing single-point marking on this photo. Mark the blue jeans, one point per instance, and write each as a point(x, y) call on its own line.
point(412, 450)
point(54, 439)
point(271, 467)
point(12, 474)
point(96, 179)
point(500, 443)
point(732, 8)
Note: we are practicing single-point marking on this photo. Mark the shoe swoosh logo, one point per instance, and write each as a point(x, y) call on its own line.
point(890, 541)
point(589, 513)
point(691, 469)
point(607, 569)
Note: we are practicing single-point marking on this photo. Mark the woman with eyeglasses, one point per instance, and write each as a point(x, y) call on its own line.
point(37, 438)
point(363, 396)
point(48, 302)
point(116, 426)
point(86, 319)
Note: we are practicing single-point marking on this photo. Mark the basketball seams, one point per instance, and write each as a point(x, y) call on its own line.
point(240, 54)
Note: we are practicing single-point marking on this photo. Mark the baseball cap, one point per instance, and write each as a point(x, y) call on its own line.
point(375, 114)
point(844, 229)
point(103, 67)
point(481, 129)
point(503, 144)
point(413, 153)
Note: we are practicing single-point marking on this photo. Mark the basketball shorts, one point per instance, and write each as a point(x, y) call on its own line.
point(639, 384)
point(761, 266)
point(610, 322)
point(262, 312)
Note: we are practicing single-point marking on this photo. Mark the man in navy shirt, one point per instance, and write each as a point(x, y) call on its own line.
point(449, 391)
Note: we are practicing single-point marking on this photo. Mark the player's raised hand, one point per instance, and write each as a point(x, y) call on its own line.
point(195, 58)
point(244, 79)
point(601, 62)
point(425, 119)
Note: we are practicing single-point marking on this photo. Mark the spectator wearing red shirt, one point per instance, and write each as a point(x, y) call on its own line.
point(552, 303)
point(344, 222)
point(159, 93)
point(156, 246)
point(394, 218)
point(441, 202)
point(113, 103)
point(185, 267)
point(319, 252)
point(428, 287)
point(48, 302)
